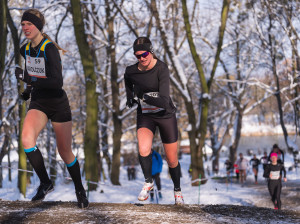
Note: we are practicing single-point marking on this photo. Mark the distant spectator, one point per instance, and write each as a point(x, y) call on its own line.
point(128, 173)
point(279, 152)
point(131, 172)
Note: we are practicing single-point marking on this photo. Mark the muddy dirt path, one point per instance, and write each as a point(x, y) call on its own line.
point(67, 212)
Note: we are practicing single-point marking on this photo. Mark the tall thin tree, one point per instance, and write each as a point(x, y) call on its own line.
point(91, 136)
point(197, 162)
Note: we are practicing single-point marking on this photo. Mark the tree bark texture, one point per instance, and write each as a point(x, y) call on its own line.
point(22, 164)
point(91, 138)
point(115, 170)
point(205, 86)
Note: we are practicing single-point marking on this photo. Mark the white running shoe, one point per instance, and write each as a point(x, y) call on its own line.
point(178, 198)
point(144, 194)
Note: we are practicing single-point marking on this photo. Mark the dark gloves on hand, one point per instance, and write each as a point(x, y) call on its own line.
point(138, 92)
point(26, 94)
point(19, 73)
point(22, 75)
point(130, 102)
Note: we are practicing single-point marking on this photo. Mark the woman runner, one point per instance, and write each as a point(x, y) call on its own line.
point(149, 81)
point(43, 71)
point(274, 171)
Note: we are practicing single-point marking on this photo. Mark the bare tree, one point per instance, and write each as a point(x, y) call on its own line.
point(91, 137)
point(197, 164)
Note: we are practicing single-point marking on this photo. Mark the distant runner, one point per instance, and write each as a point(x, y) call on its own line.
point(243, 166)
point(264, 160)
point(279, 152)
point(274, 172)
point(255, 163)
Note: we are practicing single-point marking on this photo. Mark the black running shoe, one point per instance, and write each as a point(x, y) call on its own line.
point(82, 200)
point(42, 190)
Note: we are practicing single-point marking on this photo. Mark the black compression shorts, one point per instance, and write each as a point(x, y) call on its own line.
point(167, 127)
point(56, 109)
point(255, 167)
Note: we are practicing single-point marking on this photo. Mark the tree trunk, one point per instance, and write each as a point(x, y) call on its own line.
point(3, 152)
point(3, 36)
point(91, 138)
point(188, 103)
point(237, 136)
point(215, 162)
point(277, 83)
point(115, 171)
point(205, 86)
point(22, 164)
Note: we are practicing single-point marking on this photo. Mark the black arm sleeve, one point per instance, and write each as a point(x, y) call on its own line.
point(284, 171)
point(164, 90)
point(267, 172)
point(128, 87)
point(54, 78)
point(22, 51)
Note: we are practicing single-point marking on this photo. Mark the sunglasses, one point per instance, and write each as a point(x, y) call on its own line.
point(144, 55)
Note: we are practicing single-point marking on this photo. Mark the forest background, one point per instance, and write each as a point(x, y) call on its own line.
point(228, 60)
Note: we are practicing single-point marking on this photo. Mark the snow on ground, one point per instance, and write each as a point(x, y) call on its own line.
point(210, 193)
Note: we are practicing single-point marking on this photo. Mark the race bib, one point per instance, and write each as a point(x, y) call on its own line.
point(36, 67)
point(146, 108)
point(275, 175)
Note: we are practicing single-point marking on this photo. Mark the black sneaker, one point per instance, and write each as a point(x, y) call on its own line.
point(82, 200)
point(42, 190)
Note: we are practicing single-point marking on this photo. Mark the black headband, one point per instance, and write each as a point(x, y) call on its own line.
point(143, 47)
point(33, 19)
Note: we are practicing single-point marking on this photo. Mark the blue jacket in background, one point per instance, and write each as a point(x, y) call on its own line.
point(156, 163)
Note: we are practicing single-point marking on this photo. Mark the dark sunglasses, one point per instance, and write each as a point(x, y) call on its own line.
point(144, 55)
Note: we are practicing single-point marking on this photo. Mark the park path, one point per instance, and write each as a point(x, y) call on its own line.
point(67, 212)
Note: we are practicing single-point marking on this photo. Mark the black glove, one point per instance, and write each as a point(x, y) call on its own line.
point(26, 94)
point(138, 92)
point(130, 102)
point(21, 75)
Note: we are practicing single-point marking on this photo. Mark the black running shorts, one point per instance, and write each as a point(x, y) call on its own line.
point(167, 127)
point(56, 109)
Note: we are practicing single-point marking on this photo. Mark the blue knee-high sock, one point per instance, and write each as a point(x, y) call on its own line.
point(74, 170)
point(175, 174)
point(35, 158)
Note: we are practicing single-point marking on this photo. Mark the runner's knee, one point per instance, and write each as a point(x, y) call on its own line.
point(28, 140)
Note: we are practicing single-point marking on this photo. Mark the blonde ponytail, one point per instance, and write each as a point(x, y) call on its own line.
point(56, 45)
